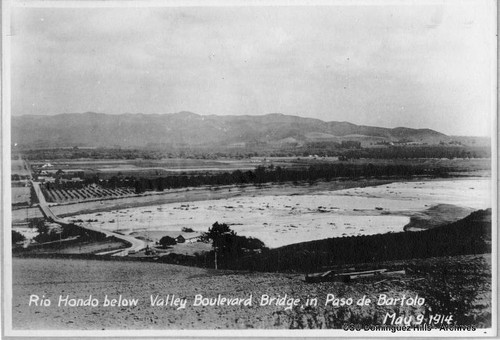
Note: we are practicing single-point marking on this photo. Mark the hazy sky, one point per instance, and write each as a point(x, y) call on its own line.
point(425, 66)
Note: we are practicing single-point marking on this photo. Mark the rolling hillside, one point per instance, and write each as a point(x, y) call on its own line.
point(188, 129)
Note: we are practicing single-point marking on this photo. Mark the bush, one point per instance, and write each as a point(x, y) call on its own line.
point(17, 237)
point(250, 243)
point(187, 230)
point(46, 234)
point(167, 241)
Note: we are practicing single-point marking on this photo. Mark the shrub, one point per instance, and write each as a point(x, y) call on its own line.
point(17, 236)
point(167, 241)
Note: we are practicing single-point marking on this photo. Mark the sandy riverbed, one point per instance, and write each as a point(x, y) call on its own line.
point(287, 219)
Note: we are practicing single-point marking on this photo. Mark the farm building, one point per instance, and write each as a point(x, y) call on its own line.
point(44, 179)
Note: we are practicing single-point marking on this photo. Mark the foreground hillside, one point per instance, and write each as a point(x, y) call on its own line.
point(458, 286)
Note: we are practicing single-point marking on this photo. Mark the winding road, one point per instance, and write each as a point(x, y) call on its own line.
point(136, 244)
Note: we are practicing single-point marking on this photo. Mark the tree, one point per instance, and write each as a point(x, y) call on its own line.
point(216, 233)
point(228, 246)
point(139, 187)
point(17, 237)
point(221, 235)
point(167, 241)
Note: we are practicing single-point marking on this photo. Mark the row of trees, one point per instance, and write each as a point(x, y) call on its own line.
point(260, 175)
point(278, 174)
point(412, 152)
point(322, 171)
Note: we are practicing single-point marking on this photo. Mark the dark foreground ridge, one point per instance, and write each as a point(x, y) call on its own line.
point(471, 235)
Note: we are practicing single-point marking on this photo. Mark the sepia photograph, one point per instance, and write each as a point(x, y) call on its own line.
point(249, 168)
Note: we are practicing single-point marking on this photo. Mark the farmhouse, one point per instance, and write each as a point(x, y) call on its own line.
point(45, 179)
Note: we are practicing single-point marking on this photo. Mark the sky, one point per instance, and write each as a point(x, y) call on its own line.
point(421, 66)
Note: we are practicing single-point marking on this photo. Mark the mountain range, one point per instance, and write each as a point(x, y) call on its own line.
point(187, 129)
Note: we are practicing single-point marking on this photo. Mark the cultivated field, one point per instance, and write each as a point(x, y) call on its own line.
point(164, 167)
point(20, 190)
point(22, 215)
point(147, 168)
point(21, 195)
point(90, 192)
point(18, 167)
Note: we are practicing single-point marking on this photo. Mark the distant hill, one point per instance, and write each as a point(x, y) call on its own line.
point(186, 129)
